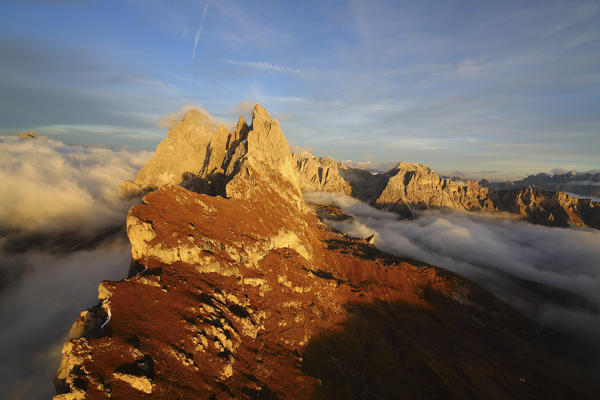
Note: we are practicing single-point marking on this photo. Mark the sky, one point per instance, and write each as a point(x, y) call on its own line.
point(492, 89)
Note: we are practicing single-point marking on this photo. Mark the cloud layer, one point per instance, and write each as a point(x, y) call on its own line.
point(552, 274)
point(50, 187)
point(170, 120)
point(38, 310)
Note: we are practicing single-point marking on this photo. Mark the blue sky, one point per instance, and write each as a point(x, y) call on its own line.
point(492, 88)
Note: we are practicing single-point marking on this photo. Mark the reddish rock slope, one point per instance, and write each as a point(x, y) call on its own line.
point(248, 296)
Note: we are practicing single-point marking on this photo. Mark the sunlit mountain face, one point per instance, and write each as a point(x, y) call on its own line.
point(420, 199)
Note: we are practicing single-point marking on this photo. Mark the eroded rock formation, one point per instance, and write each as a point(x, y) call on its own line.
point(246, 295)
point(181, 152)
point(416, 187)
point(326, 174)
point(411, 187)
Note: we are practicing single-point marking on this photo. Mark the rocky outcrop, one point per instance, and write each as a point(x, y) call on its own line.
point(326, 174)
point(182, 152)
point(409, 188)
point(198, 155)
point(246, 295)
point(413, 187)
point(548, 208)
point(317, 173)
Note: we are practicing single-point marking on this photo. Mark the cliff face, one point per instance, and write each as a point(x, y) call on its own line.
point(416, 187)
point(321, 174)
point(410, 187)
point(326, 174)
point(181, 152)
point(246, 295)
point(548, 208)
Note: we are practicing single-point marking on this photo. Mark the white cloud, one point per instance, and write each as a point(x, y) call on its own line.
point(38, 310)
point(170, 120)
point(246, 107)
point(262, 65)
point(199, 31)
point(51, 187)
point(501, 254)
point(373, 166)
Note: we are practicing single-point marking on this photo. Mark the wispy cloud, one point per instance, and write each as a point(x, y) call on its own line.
point(262, 65)
point(199, 31)
point(172, 119)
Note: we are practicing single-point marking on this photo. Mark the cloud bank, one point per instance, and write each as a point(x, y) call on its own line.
point(37, 311)
point(170, 120)
point(551, 274)
point(51, 187)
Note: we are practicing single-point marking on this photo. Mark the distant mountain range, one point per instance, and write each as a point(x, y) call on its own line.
point(409, 188)
point(578, 184)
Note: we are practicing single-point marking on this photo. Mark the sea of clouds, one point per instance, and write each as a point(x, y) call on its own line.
point(38, 309)
point(503, 254)
point(49, 188)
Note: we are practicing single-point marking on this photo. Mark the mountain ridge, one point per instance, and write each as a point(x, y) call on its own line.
point(409, 188)
point(237, 290)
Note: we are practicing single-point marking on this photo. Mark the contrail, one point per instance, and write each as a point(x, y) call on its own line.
point(199, 30)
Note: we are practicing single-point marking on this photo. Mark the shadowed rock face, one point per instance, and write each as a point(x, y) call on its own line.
point(247, 295)
point(410, 187)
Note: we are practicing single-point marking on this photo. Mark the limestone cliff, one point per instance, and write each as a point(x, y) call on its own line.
point(411, 187)
point(317, 173)
point(326, 174)
point(181, 152)
point(416, 187)
point(548, 208)
point(246, 295)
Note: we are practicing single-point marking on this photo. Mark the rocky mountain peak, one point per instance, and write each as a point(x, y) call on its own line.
point(267, 145)
point(260, 117)
point(180, 154)
point(408, 166)
point(259, 159)
point(237, 291)
point(409, 188)
point(202, 156)
point(241, 130)
point(198, 118)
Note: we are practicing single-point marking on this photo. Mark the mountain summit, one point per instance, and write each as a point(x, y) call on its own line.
point(409, 188)
point(236, 290)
